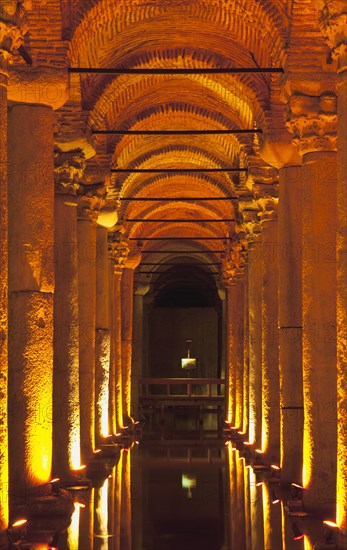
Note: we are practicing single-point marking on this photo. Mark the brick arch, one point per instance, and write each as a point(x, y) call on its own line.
point(179, 210)
point(125, 106)
point(246, 22)
point(100, 92)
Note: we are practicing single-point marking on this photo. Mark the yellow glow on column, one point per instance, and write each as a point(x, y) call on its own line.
point(264, 437)
point(251, 427)
point(266, 516)
point(39, 451)
point(283, 526)
point(307, 543)
point(307, 457)
point(75, 447)
point(103, 397)
point(73, 529)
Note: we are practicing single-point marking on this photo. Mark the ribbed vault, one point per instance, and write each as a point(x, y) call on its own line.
point(177, 34)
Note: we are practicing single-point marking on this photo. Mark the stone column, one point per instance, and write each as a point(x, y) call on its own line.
point(230, 371)
point(313, 122)
point(255, 346)
point(127, 302)
point(69, 169)
point(119, 251)
point(270, 340)
point(334, 25)
point(245, 405)
point(232, 274)
point(3, 291)
point(31, 288)
point(91, 199)
point(290, 322)
point(141, 290)
point(102, 337)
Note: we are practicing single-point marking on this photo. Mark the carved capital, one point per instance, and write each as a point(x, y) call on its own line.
point(268, 209)
point(313, 122)
point(333, 24)
point(68, 171)
point(118, 250)
point(91, 199)
point(233, 265)
point(13, 27)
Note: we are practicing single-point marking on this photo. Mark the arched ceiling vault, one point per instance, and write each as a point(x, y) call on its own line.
point(177, 34)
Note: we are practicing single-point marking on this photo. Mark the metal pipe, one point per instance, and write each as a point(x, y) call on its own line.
point(176, 71)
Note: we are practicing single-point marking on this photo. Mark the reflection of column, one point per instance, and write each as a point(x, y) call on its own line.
point(3, 295)
point(102, 337)
point(270, 351)
point(334, 24)
point(313, 121)
point(66, 415)
point(290, 322)
point(272, 520)
point(31, 273)
point(127, 301)
point(119, 251)
point(137, 368)
point(89, 203)
point(255, 346)
point(125, 530)
point(256, 511)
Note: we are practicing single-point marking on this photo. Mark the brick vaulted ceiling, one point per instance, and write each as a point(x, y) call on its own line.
point(180, 34)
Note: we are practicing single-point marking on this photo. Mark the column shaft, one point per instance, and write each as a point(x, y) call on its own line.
point(117, 348)
point(342, 297)
point(3, 303)
point(137, 368)
point(290, 323)
point(31, 273)
point(127, 292)
point(245, 351)
point(319, 329)
point(66, 414)
point(270, 352)
point(102, 338)
point(86, 228)
point(255, 341)
point(236, 331)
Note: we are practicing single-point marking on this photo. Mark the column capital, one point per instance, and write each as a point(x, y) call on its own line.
point(268, 209)
point(13, 27)
point(333, 24)
point(91, 198)
point(69, 168)
point(118, 248)
point(233, 265)
point(313, 122)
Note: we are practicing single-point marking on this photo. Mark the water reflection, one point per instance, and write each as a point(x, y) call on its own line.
point(169, 495)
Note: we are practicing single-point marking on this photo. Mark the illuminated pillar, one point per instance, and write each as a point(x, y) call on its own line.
point(90, 201)
point(31, 275)
point(313, 122)
point(290, 322)
point(3, 297)
point(255, 346)
point(66, 415)
point(118, 250)
point(270, 350)
point(230, 371)
point(141, 290)
point(102, 337)
point(334, 24)
point(245, 402)
point(127, 305)
point(233, 274)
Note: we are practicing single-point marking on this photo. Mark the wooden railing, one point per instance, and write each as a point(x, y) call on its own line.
point(193, 388)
